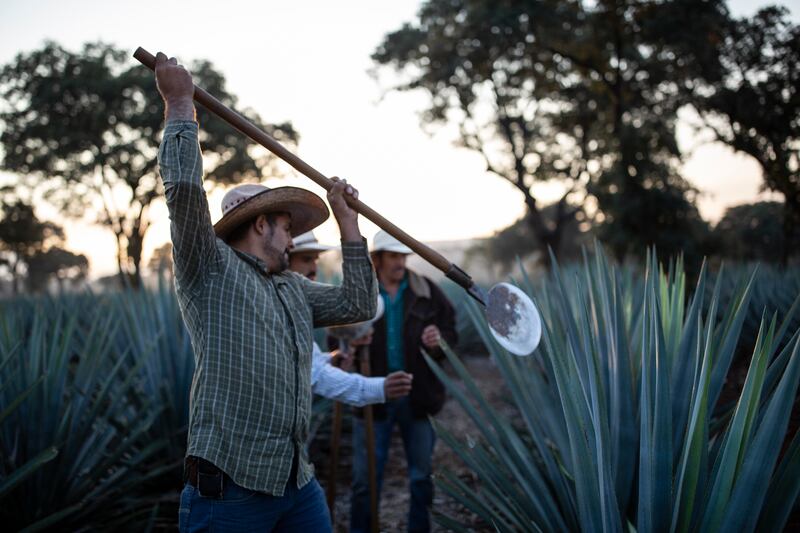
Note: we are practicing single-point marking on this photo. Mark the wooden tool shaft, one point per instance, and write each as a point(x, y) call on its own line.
point(364, 368)
point(336, 433)
point(251, 130)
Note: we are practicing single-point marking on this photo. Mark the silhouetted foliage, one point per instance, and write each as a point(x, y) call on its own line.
point(55, 263)
point(30, 250)
point(585, 94)
point(753, 232)
point(517, 241)
point(161, 260)
point(756, 107)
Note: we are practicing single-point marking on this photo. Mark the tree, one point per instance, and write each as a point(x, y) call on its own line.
point(21, 236)
point(506, 246)
point(57, 263)
point(756, 108)
point(580, 93)
point(752, 232)
point(161, 260)
point(30, 249)
point(84, 129)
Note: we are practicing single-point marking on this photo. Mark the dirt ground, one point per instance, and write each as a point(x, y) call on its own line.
point(395, 497)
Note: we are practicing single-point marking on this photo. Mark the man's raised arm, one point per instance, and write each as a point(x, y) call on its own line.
point(355, 300)
point(181, 166)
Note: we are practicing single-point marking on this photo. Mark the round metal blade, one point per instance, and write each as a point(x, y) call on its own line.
point(513, 319)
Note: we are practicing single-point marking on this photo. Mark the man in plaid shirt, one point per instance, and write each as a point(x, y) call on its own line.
point(250, 321)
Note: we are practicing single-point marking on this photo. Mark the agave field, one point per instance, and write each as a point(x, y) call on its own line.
point(94, 404)
point(627, 416)
point(94, 394)
point(620, 426)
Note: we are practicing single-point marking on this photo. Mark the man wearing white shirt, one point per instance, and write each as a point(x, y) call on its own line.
point(326, 379)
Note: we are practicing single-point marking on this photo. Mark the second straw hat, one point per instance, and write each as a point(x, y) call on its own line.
point(383, 242)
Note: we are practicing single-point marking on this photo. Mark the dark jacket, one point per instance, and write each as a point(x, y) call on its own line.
point(424, 304)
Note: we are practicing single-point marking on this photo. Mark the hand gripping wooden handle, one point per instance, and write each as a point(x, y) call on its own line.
point(248, 128)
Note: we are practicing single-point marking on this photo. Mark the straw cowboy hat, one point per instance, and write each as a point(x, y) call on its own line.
point(307, 242)
point(383, 242)
point(245, 202)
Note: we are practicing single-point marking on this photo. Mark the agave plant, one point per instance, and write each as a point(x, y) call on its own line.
point(772, 288)
point(152, 330)
point(615, 428)
point(71, 442)
point(14, 475)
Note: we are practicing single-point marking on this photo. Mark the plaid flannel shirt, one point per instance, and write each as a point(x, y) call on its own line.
point(251, 332)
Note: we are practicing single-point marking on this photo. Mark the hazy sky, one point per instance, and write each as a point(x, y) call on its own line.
point(306, 61)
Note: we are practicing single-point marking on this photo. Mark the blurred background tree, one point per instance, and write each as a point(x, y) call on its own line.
point(517, 242)
point(31, 251)
point(755, 108)
point(161, 260)
point(752, 232)
point(57, 264)
point(83, 129)
point(584, 94)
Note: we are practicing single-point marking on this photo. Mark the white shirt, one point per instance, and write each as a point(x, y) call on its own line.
point(336, 384)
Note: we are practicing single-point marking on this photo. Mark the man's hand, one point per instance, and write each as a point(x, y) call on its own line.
point(397, 384)
point(342, 359)
point(346, 217)
point(364, 340)
point(431, 336)
point(175, 85)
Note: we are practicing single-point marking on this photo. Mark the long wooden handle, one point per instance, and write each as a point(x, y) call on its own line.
point(369, 422)
point(248, 128)
point(336, 434)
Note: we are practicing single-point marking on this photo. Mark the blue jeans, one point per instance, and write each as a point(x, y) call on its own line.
point(241, 509)
point(418, 441)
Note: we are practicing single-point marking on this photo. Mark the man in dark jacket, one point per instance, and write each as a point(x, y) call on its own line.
point(416, 315)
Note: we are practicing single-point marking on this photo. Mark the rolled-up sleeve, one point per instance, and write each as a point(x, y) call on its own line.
point(181, 167)
point(355, 300)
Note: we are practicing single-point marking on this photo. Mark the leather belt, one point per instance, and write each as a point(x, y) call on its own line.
point(209, 480)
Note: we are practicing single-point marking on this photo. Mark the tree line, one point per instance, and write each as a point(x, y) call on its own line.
point(587, 95)
point(582, 94)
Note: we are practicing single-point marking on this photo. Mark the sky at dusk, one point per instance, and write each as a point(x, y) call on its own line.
point(307, 62)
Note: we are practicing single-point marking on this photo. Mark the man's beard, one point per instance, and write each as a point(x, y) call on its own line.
point(281, 258)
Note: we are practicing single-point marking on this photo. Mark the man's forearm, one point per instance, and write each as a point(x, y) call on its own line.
point(350, 231)
point(336, 384)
